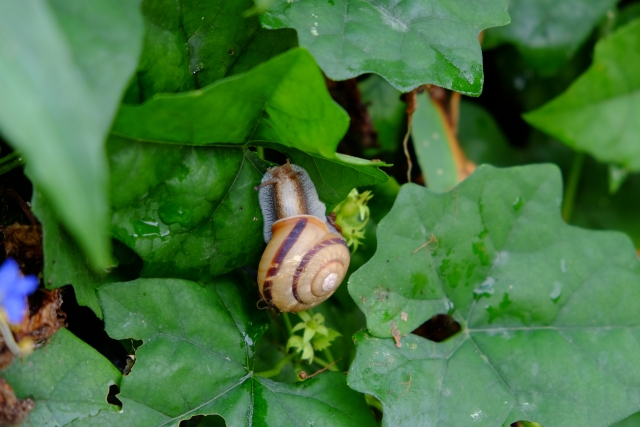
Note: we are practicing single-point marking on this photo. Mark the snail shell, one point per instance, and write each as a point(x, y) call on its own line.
point(305, 259)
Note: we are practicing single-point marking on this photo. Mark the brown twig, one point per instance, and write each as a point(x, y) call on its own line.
point(304, 375)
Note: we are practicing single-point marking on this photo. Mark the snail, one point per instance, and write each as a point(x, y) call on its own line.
point(306, 257)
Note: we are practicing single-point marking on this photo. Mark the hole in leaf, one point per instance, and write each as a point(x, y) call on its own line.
point(438, 328)
point(525, 424)
point(84, 324)
point(111, 396)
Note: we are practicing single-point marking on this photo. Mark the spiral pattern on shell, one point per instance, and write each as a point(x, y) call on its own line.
point(303, 264)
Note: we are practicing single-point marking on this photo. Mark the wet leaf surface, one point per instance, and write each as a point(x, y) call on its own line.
point(409, 43)
point(547, 310)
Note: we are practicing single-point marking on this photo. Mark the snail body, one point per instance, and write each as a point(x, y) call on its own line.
point(306, 258)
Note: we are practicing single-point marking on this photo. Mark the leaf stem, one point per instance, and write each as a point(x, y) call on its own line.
point(572, 186)
point(276, 369)
point(260, 152)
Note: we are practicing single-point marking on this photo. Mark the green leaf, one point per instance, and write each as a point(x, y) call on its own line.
point(64, 262)
point(597, 113)
point(410, 43)
point(63, 66)
point(190, 44)
point(324, 400)
point(282, 104)
point(199, 345)
point(188, 212)
point(431, 141)
point(67, 379)
point(547, 34)
point(547, 310)
point(387, 113)
point(283, 100)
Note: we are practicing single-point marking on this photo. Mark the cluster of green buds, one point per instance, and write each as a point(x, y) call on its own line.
point(352, 215)
point(315, 336)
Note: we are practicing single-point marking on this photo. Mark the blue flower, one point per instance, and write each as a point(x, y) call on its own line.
point(14, 289)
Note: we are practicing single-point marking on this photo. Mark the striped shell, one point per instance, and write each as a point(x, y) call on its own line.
point(303, 264)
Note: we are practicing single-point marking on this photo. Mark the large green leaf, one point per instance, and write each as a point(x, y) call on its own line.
point(408, 43)
point(188, 212)
point(548, 311)
point(282, 101)
point(67, 379)
point(197, 358)
point(283, 104)
point(190, 44)
point(63, 66)
point(597, 114)
point(548, 33)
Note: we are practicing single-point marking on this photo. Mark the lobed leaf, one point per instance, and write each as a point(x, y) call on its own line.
point(197, 358)
point(409, 43)
point(547, 310)
point(67, 379)
point(57, 110)
point(597, 113)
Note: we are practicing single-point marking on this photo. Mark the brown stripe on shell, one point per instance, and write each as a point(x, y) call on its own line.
point(305, 260)
point(276, 263)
